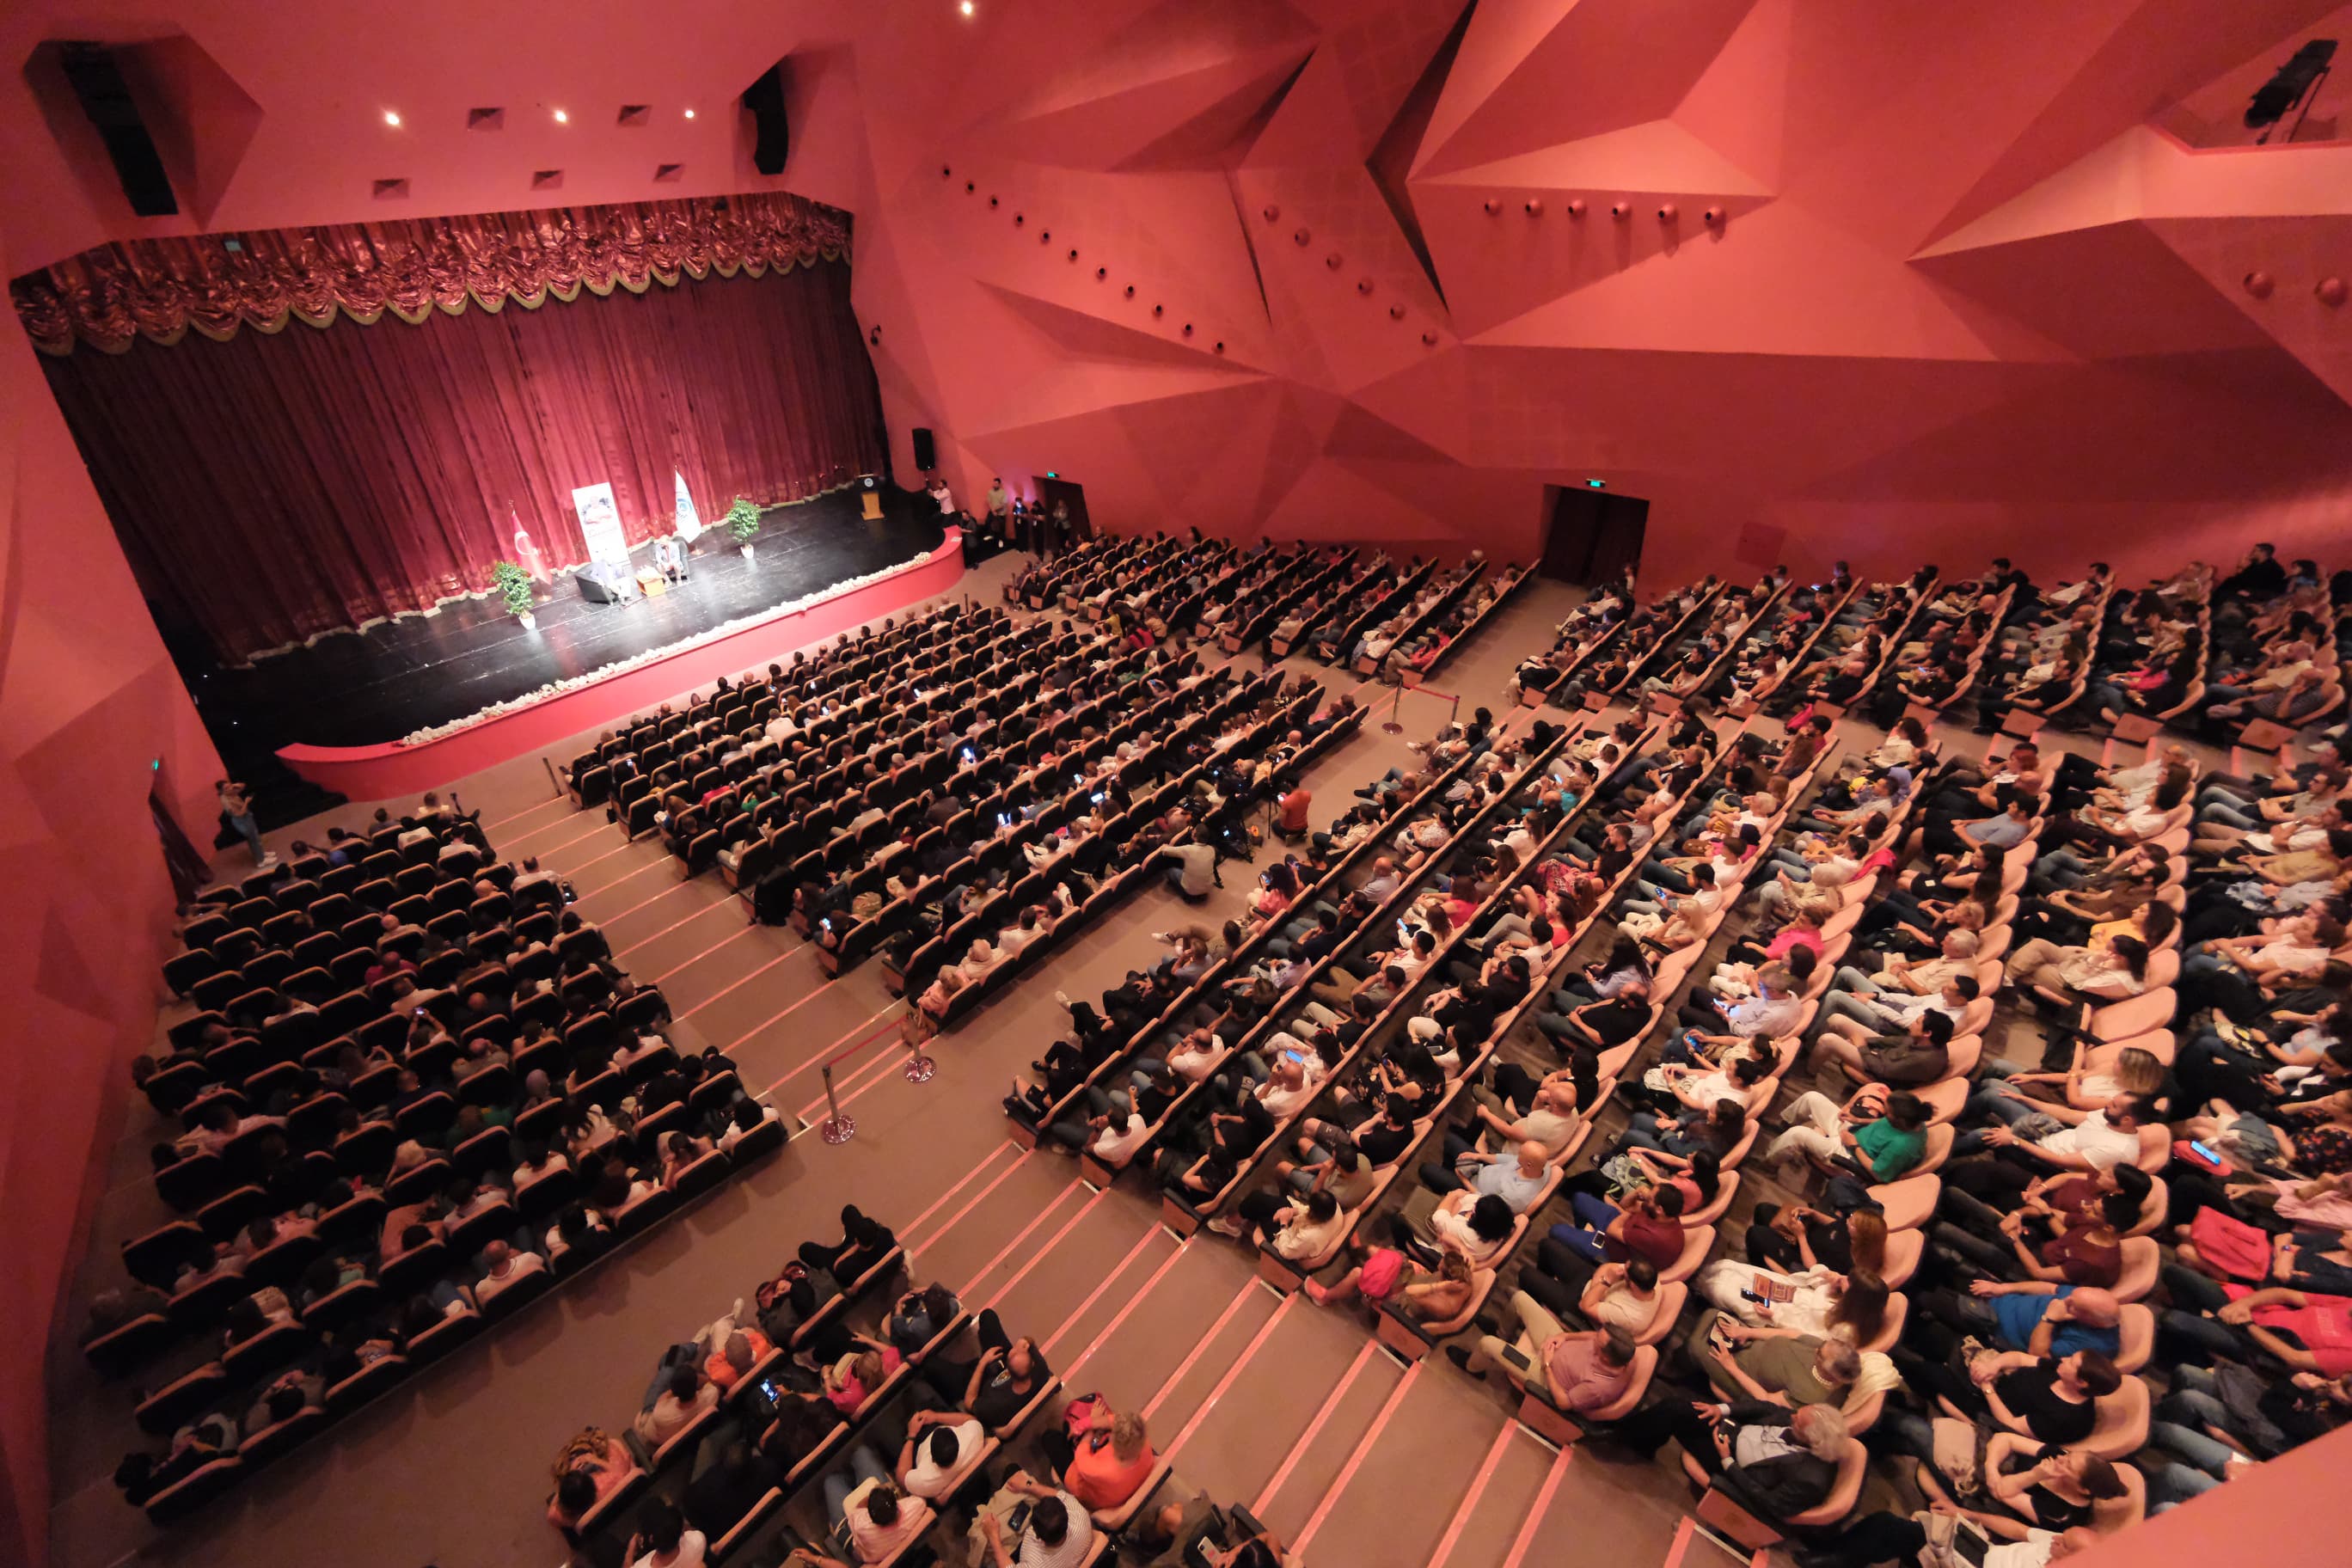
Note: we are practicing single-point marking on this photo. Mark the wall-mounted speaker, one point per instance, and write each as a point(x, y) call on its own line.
point(106, 99)
point(765, 101)
point(926, 456)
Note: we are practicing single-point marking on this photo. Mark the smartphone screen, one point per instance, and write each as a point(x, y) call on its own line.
point(1405, 936)
point(2199, 1144)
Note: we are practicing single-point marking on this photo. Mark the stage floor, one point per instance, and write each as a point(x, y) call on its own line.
point(376, 686)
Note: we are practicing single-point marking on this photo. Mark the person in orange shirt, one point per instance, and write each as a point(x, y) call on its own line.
point(1110, 1461)
point(735, 1355)
point(1294, 811)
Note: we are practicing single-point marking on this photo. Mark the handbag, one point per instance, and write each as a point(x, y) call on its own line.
point(1952, 1542)
point(2238, 1250)
point(1959, 1450)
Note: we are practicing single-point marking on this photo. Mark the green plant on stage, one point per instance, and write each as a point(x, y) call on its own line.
point(512, 585)
point(741, 521)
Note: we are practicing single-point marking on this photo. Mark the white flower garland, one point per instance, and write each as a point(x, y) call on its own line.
point(431, 733)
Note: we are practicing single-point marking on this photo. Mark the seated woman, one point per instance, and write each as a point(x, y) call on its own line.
point(1103, 1466)
point(1476, 1225)
point(934, 1003)
point(850, 1381)
point(2074, 1094)
point(589, 1468)
point(681, 1149)
point(2026, 1485)
point(1382, 1275)
point(1817, 1301)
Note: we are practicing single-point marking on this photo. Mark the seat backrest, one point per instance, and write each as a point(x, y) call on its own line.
point(2122, 1425)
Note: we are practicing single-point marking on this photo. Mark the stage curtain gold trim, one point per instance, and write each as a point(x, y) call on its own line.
point(158, 289)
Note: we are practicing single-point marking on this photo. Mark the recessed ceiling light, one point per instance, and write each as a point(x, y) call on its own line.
point(965, 8)
point(391, 117)
point(690, 114)
point(562, 117)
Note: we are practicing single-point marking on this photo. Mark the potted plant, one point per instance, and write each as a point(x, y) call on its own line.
point(512, 585)
point(742, 524)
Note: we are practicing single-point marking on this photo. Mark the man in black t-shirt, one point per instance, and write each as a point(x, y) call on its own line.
point(1387, 1135)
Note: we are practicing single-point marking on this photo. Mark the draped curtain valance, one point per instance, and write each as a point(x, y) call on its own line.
point(159, 289)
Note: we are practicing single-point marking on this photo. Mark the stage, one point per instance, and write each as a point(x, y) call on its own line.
point(338, 712)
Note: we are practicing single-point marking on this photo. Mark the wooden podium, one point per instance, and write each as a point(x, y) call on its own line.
point(874, 506)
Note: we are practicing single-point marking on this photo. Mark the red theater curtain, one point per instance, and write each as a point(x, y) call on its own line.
point(274, 486)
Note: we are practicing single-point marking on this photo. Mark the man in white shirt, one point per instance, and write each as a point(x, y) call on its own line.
point(503, 1267)
point(1289, 1086)
point(941, 1448)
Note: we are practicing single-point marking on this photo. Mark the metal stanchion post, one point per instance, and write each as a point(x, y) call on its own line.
point(836, 1128)
point(919, 1067)
point(1392, 726)
point(1455, 716)
point(553, 783)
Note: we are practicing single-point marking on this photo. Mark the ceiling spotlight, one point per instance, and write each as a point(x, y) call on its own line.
point(392, 117)
point(965, 8)
point(690, 114)
point(562, 117)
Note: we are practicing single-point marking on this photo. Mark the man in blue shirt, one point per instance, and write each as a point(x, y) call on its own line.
point(2029, 1315)
point(1947, 835)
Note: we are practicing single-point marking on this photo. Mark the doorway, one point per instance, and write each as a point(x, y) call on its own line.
point(1592, 536)
point(1069, 493)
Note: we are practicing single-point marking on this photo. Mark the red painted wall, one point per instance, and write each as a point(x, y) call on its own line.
point(1963, 300)
point(89, 701)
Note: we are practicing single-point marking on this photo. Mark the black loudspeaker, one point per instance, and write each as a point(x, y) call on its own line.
point(765, 100)
point(106, 99)
point(926, 459)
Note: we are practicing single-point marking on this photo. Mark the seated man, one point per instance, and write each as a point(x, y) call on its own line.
point(504, 1266)
point(1782, 1366)
point(941, 1448)
point(1581, 1371)
point(1876, 1131)
point(1515, 1177)
point(2026, 1315)
point(1771, 1461)
point(1917, 1055)
point(1860, 1016)
point(1058, 1534)
point(683, 1395)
